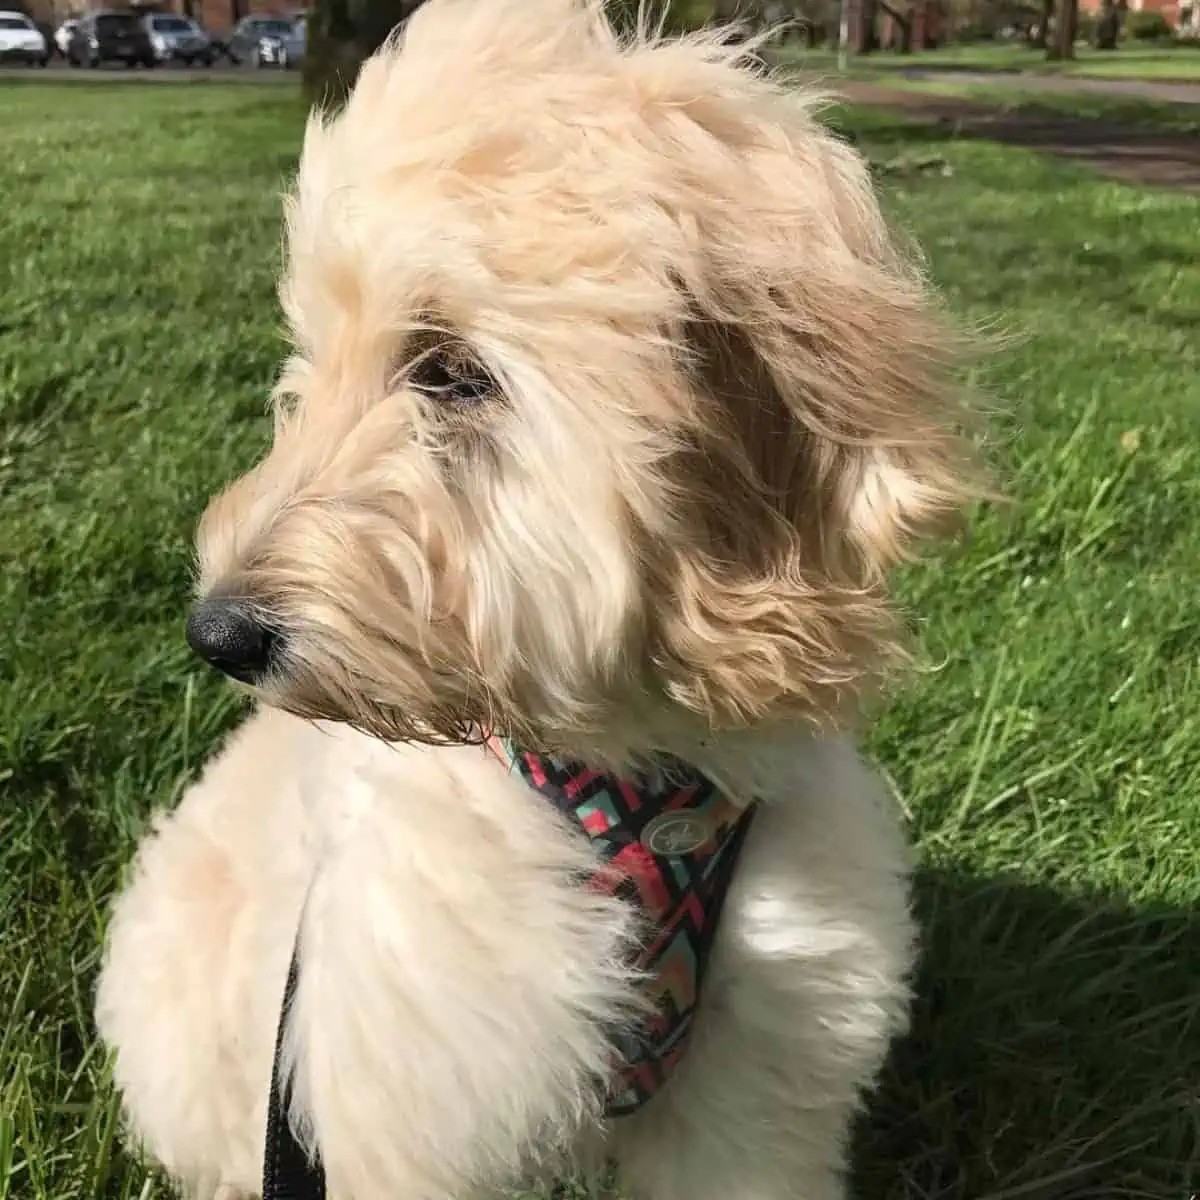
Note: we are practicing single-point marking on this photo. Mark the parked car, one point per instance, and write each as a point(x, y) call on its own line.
point(22, 41)
point(179, 38)
point(102, 37)
point(62, 35)
point(294, 47)
point(263, 41)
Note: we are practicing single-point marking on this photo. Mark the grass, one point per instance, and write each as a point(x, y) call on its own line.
point(1050, 765)
point(1151, 114)
point(1161, 65)
point(1130, 61)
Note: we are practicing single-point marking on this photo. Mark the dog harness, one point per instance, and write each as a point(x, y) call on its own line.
point(668, 844)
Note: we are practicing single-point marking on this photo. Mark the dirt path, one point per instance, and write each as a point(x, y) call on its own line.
point(1162, 90)
point(1150, 157)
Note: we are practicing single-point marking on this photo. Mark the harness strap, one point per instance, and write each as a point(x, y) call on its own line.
point(288, 1172)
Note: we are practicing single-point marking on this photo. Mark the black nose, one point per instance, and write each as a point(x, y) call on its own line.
point(225, 633)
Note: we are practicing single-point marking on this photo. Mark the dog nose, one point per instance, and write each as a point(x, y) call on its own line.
point(227, 635)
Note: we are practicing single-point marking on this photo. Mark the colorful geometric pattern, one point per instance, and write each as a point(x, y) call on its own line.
point(669, 845)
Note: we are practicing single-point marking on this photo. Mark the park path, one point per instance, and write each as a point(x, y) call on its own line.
point(1134, 154)
point(1164, 91)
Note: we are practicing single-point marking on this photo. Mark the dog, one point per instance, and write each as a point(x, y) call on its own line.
point(612, 404)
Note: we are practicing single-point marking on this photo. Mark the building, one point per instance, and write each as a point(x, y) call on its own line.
point(217, 16)
point(1179, 14)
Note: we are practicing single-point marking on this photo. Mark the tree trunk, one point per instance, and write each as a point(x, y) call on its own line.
point(1108, 26)
point(1064, 33)
point(863, 37)
point(1041, 41)
point(341, 35)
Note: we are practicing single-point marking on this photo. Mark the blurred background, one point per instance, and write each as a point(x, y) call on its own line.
point(327, 39)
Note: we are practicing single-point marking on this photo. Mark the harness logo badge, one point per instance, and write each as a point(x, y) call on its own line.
point(675, 833)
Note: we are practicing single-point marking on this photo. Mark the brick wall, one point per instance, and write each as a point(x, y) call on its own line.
point(219, 16)
point(1170, 9)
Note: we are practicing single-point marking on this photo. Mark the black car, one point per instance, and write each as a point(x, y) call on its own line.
point(102, 37)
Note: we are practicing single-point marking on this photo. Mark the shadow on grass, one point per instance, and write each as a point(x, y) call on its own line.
point(1054, 1055)
point(876, 132)
point(1146, 154)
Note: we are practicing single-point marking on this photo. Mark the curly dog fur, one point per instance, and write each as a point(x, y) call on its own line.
point(610, 407)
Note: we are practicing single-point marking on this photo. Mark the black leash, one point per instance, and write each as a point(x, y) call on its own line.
point(288, 1172)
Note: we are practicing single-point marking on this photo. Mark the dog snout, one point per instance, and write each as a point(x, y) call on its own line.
point(228, 635)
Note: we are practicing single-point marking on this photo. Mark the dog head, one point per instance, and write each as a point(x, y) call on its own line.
point(610, 396)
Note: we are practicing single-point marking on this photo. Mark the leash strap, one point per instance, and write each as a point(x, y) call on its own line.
point(288, 1172)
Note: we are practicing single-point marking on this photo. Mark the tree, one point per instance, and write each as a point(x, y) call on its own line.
point(1065, 30)
point(1108, 25)
point(1041, 38)
point(341, 35)
point(864, 17)
point(901, 37)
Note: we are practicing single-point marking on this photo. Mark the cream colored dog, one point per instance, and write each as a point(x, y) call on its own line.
point(610, 407)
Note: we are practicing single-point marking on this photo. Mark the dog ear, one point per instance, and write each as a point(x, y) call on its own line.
point(825, 437)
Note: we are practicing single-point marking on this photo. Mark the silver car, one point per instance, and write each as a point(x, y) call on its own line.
point(287, 50)
point(296, 45)
point(180, 39)
point(267, 41)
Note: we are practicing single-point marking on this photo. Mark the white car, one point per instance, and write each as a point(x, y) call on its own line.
point(21, 40)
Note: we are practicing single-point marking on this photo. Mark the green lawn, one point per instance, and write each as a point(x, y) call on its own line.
point(1049, 760)
point(1131, 61)
point(1169, 118)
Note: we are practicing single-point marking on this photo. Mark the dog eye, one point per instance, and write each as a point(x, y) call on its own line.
point(452, 373)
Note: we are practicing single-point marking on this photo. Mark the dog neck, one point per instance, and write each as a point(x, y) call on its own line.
point(745, 763)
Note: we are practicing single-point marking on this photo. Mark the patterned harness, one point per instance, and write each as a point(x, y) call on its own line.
point(668, 844)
